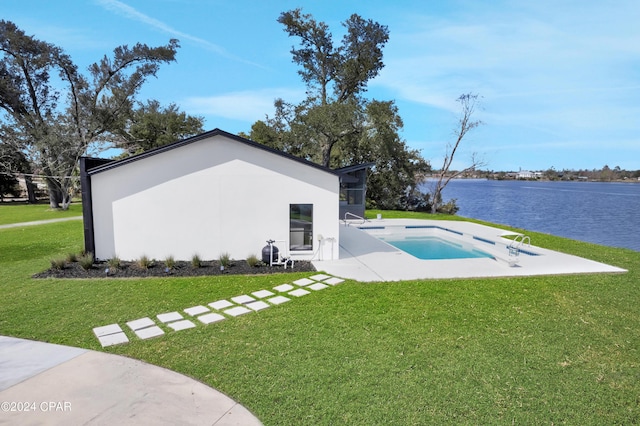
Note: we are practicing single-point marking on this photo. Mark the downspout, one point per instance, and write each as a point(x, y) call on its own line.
point(87, 207)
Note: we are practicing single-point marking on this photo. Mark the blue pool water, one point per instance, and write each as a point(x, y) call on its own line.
point(434, 248)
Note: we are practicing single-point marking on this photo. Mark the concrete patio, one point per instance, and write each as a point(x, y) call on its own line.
point(366, 258)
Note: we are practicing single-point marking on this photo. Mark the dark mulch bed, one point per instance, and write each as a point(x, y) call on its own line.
point(158, 269)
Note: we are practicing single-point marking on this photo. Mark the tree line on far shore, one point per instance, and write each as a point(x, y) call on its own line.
point(605, 174)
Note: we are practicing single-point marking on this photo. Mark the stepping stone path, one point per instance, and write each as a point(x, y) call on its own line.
point(146, 328)
point(299, 292)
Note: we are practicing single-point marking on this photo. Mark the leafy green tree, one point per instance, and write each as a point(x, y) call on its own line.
point(8, 162)
point(151, 126)
point(56, 121)
point(335, 75)
point(335, 125)
point(397, 168)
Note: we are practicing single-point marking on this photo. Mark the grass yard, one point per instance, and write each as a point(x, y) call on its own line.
point(539, 350)
point(18, 212)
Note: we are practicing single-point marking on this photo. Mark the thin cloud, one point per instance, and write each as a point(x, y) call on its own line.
point(246, 106)
point(502, 51)
point(133, 14)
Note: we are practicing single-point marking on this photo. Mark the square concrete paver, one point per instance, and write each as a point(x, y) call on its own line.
point(262, 294)
point(170, 317)
point(318, 286)
point(113, 339)
point(299, 292)
point(149, 332)
point(109, 335)
point(181, 325)
point(241, 300)
point(196, 310)
point(283, 288)
point(106, 330)
point(278, 300)
point(210, 318)
point(220, 304)
point(140, 323)
point(334, 281)
point(320, 277)
point(303, 282)
point(257, 306)
point(237, 311)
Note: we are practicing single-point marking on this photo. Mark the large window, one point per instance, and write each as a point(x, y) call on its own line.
point(353, 192)
point(300, 227)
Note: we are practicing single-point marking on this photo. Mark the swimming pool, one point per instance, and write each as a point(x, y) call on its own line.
point(365, 257)
point(435, 242)
point(434, 248)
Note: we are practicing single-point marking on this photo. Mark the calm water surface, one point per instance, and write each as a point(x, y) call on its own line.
point(597, 212)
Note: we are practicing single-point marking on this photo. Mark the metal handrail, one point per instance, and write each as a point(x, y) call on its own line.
point(519, 241)
point(355, 216)
point(515, 245)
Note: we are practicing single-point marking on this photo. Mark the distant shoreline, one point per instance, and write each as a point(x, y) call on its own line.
point(541, 179)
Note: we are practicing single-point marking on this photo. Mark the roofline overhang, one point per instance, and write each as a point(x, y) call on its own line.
point(216, 132)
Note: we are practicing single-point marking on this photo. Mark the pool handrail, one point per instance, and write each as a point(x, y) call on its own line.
point(355, 216)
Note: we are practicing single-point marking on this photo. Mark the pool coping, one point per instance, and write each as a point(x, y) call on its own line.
point(366, 258)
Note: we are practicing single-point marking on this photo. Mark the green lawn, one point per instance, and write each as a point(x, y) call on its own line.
point(539, 350)
point(18, 212)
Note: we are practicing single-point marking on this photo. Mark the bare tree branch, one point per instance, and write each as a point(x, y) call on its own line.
point(468, 103)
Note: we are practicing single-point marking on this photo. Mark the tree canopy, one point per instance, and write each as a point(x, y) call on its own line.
point(151, 125)
point(336, 125)
point(52, 113)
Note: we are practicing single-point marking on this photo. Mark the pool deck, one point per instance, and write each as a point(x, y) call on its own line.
point(366, 258)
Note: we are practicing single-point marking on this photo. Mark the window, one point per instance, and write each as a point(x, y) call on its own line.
point(353, 192)
point(300, 227)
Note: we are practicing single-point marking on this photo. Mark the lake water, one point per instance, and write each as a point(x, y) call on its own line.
point(597, 212)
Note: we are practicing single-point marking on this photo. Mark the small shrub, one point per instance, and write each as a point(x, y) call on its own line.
point(72, 257)
point(170, 262)
point(114, 263)
point(449, 208)
point(144, 262)
point(58, 264)
point(196, 262)
point(225, 259)
point(86, 261)
point(253, 261)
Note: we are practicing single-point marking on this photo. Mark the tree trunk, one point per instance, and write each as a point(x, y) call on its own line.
point(326, 151)
point(436, 198)
point(31, 190)
point(56, 197)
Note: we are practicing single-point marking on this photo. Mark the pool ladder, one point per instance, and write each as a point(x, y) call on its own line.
point(517, 243)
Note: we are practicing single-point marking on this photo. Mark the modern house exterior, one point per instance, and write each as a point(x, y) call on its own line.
point(353, 190)
point(211, 194)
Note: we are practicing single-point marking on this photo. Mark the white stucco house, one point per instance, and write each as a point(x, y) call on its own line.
point(210, 194)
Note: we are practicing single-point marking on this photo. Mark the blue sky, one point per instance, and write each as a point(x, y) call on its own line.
point(559, 80)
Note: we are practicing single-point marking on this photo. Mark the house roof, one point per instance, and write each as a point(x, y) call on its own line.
point(345, 177)
point(355, 167)
point(216, 132)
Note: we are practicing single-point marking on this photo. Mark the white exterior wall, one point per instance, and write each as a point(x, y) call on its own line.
point(210, 197)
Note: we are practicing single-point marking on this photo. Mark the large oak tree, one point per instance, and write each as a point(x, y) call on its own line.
point(150, 126)
point(52, 113)
point(336, 125)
